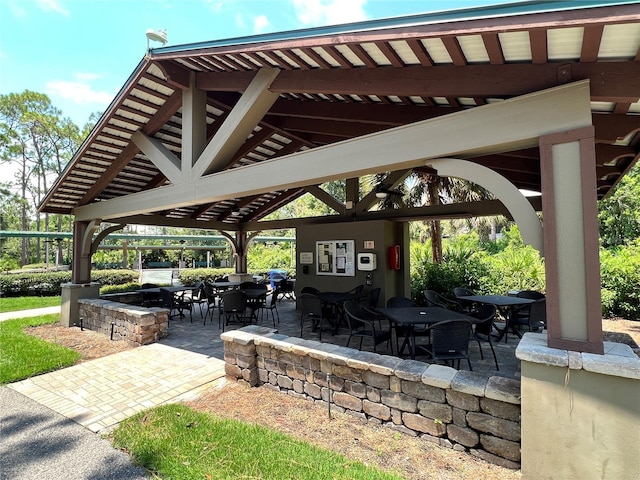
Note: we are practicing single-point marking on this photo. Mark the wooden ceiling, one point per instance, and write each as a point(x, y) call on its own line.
point(342, 82)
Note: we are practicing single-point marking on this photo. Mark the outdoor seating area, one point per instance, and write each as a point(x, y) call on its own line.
point(204, 337)
point(456, 331)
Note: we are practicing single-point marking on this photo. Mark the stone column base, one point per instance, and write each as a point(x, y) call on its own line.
point(71, 292)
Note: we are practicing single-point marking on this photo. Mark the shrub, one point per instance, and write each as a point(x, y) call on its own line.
point(114, 277)
point(126, 287)
point(466, 263)
point(264, 257)
point(7, 264)
point(460, 267)
point(516, 268)
point(37, 283)
point(620, 272)
point(49, 283)
point(193, 275)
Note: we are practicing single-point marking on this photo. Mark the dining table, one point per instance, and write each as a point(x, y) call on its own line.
point(225, 285)
point(152, 295)
point(256, 298)
point(410, 317)
point(505, 304)
point(333, 302)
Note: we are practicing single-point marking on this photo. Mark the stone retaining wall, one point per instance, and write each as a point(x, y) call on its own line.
point(132, 324)
point(462, 410)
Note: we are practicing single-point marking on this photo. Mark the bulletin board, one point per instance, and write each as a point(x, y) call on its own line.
point(336, 258)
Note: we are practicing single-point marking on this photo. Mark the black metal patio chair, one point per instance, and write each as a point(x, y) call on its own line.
point(449, 341)
point(483, 331)
point(365, 323)
point(176, 303)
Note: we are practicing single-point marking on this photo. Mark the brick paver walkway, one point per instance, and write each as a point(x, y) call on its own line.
point(100, 393)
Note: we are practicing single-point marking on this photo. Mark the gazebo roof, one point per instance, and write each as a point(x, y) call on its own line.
point(341, 82)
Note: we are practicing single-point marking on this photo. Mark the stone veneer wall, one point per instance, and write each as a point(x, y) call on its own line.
point(132, 324)
point(462, 410)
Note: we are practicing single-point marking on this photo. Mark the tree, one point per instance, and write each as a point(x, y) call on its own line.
point(619, 213)
point(424, 188)
point(36, 143)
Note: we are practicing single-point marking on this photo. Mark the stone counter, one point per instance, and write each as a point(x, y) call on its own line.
point(132, 324)
point(462, 410)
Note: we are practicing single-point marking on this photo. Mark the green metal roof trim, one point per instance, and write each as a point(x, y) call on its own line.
point(134, 236)
point(525, 7)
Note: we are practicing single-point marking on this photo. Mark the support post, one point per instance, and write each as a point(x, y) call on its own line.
point(570, 215)
point(80, 285)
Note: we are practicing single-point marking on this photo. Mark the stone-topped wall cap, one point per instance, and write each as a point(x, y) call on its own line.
point(618, 359)
point(411, 370)
point(533, 348)
point(472, 383)
point(439, 376)
point(503, 389)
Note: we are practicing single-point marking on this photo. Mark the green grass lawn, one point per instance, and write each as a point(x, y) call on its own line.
point(13, 304)
point(176, 442)
point(23, 356)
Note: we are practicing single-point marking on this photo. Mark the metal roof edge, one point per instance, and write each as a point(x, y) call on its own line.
point(94, 131)
point(522, 7)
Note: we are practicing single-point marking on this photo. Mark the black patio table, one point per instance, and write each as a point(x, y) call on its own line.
point(225, 285)
point(505, 304)
point(411, 316)
point(153, 294)
point(255, 299)
point(334, 300)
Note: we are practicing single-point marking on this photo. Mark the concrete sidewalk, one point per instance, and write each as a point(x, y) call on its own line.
point(29, 313)
point(38, 443)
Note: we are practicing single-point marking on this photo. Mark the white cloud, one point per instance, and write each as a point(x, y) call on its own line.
point(16, 8)
point(79, 91)
point(260, 23)
point(329, 12)
point(239, 21)
point(86, 77)
point(52, 6)
point(218, 5)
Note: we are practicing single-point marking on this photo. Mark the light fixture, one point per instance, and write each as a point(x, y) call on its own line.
point(156, 36)
point(236, 211)
point(383, 191)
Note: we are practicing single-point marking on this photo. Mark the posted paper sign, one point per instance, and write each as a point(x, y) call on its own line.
point(335, 257)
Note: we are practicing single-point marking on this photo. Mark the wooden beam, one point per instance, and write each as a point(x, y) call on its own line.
point(112, 172)
point(246, 114)
point(334, 128)
point(611, 81)
point(497, 127)
point(160, 155)
point(611, 128)
point(433, 212)
point(390, 181)
point(326, 198)
point(163, 221)
point(163, 114)
point(283, 198)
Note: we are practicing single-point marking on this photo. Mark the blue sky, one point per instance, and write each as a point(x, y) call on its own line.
point(81, 52)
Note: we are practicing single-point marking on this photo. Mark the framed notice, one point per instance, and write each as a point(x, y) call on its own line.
point(335, 257)
point(306, 258)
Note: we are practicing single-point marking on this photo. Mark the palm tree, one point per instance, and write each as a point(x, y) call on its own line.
point(423, 187)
